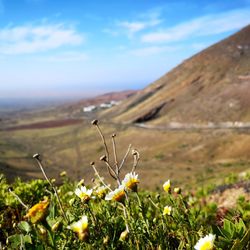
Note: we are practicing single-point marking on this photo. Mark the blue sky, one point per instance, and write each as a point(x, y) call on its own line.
point(52, 48)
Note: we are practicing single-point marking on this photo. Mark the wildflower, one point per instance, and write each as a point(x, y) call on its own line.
point(167, 186)
point(63, 173)
point(177, 190)
point(205, 243)
point(101, 192)
point(55, 226)
point(116, 195)
point(81, 228)
point(167, 210)
point(42, 230)
point(83, 193)
point(130, 181)
point(124, 235)
point(81, 182)
point(38, 211)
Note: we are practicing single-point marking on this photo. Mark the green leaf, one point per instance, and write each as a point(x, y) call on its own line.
point(17, 240)
point(27, 239)
point(241, 228)
point(229, 228)
point(24, 226)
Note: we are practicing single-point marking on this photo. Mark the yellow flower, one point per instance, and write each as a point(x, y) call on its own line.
point(130, 181)
point(38, 211)
point(167, 186)
point(167, 210)
point(116, 195)
point(124, 235)
point(83, 193)
point(101, 192)
point(205, 243)
point(81, 228)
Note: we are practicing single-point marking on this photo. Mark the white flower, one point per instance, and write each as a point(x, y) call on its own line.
point(167, 186)
point(205, 243)
point(130, 181)
point(167, 210)
point(83, 193)
point(116, 195)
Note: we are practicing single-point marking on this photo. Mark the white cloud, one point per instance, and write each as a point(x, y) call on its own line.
point(153, 50)
point(130, 27)
point(203, 26)
point(133, 27)
point(29, 39)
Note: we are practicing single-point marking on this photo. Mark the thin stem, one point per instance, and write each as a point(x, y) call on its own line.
point(99, 177)
point(136, 159)
point(103, 141)
point(142, 213)
point(51, 184)
point(19, 199)
point(114, 175)
point(153, 203)
point(126, 217)
point(125, 157)
point(115, 154)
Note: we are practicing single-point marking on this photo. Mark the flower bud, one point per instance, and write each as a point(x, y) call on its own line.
point(55, 227)
point(124, 235)
point(105, 240)
point(63, 173)
point(177, 190)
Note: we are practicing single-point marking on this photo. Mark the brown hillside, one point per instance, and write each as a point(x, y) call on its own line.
point(212, 86)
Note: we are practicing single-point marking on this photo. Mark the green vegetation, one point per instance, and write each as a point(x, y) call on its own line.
point(39, 214)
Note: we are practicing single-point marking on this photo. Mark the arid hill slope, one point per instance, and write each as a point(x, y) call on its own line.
point(212, 86)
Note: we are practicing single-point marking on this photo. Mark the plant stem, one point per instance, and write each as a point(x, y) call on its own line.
point(36, 156)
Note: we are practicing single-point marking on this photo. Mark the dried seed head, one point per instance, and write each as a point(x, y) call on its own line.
point(36, 156)
point(113, 135)
point(134, 152)
point(92, 163)
point(103, 158)
point(94, 122)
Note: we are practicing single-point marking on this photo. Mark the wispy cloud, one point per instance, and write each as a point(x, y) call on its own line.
point(202, 26)
point(29, 39)
point(142, 22)
point(135, 26)
point(153, 50)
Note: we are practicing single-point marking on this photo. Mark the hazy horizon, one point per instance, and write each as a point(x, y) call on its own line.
point(76, 49)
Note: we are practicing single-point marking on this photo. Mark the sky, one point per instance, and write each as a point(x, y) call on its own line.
point(78, 48)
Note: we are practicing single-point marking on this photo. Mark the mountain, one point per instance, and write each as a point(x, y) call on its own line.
point(211, 86)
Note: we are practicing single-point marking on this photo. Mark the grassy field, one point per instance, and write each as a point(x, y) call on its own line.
point(188, 157)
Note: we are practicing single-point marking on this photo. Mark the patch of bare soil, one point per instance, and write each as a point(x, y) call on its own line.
point(46, 124)
point(227, 195)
